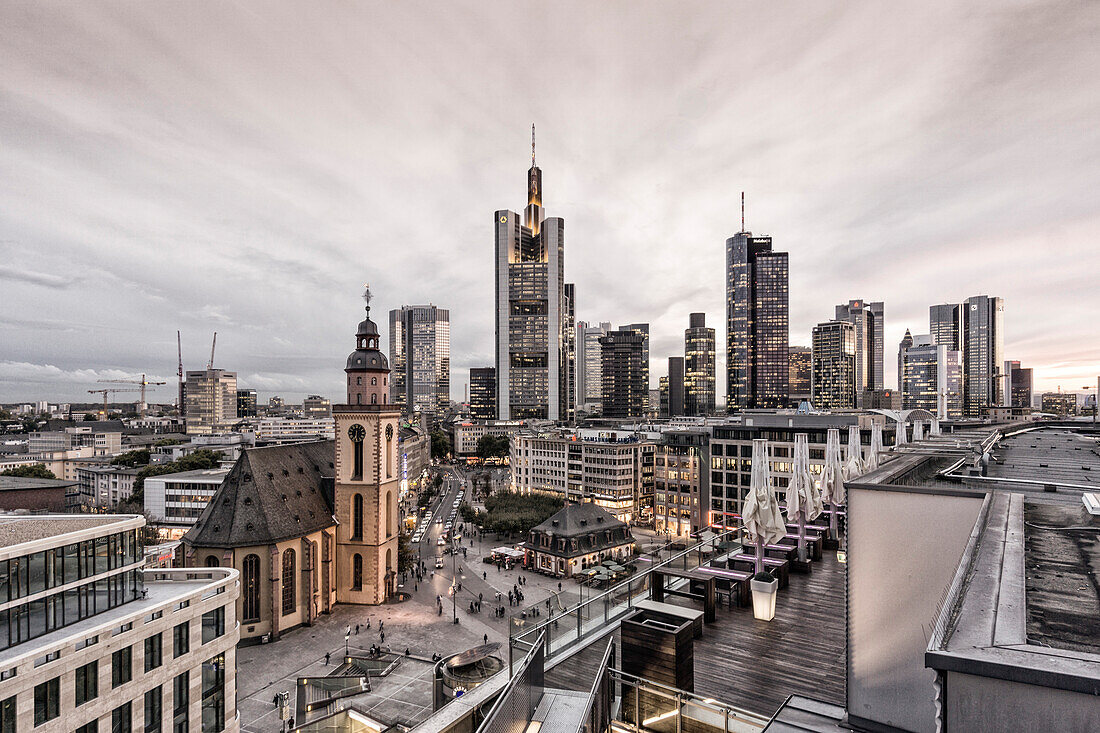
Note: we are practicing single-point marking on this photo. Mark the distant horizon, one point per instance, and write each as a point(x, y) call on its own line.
point(219, 170)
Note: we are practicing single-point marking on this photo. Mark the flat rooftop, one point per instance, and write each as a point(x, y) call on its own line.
point(1067, 458)
point(15, 530)
point(15, 483)
point(1062, 555)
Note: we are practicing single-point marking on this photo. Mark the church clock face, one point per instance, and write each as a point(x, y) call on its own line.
point(389, 432)
point(357, 433)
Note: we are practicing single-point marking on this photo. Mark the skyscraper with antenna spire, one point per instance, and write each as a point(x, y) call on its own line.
point(532, 348)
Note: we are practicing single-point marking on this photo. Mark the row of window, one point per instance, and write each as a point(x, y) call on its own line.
point(40, 571)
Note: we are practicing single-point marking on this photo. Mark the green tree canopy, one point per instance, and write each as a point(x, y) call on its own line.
point(36, 470)
point(199, 460)
point(132, 458)
point(441, 444)
point(493, 446)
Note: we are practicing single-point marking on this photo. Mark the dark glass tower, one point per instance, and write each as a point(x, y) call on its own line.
point(698, 367)
point(625, 390)
point(757, 323)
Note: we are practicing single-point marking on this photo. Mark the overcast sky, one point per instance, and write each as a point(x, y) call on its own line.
point(245, 167)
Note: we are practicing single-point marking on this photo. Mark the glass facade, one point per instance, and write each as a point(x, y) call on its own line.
point(834, 366)
point(67, 584)
point(624, 374)
point(211, 401)
point(698, 375)
point(868, 321)
point(213, 694)
point(420, 356)
point(757, 323)
point(483, 393)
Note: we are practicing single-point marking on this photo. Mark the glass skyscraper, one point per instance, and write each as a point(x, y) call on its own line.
point(420, 356)
point(868, 320)
point(930, 376)
point(834, 366)
point(698, 377)
point(757, 323)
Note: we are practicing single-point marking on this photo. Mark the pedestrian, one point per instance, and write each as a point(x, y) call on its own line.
point(357, 629)
point(485, 576)
point(559, 586)
point(485, 637)
point(326, 658)
point(480, 596)
point(381, 625)
point(383, 638)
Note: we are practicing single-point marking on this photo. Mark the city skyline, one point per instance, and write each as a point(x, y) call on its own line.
point(189, 192)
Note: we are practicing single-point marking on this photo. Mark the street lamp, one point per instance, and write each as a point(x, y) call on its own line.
point(347, 640)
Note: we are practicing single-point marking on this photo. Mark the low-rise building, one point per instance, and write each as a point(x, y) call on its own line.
point(1060, 403)
point(109, 485)
point(34, 495)
point(174, 501)
point(276, 430)
point(94, 643)
point(468, 433)
point(576, 538)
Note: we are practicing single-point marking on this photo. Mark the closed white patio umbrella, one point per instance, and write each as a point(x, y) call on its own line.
point(918, 430)
point(935, 427)
point(902, 438)
point(876, 447)
point(803, 496)
point(832, 480)
point(761, 516)
point(854, 465)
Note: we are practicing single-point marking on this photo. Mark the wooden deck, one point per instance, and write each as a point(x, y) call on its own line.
point(752, 664)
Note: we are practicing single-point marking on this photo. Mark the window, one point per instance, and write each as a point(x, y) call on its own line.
point(357, 572)
point(47, 701)
point(212, 562)
point(213, 694)
point(152, 711)
point(181, 700)
point(213, 624)
point(152, 652)
point(250, 569)
point(121, 719)
point(87, 682)
point(386, 514)
point(7, 715)
point(357, 514)
point(181, 639)
point(120, 667)
point(289, 603)
point(92, 727)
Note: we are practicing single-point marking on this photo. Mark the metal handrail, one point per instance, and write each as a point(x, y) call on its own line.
point(728, 712)
point(600, 671)
point(499, 702)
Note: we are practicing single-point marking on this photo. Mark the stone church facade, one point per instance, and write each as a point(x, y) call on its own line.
point(313, 524)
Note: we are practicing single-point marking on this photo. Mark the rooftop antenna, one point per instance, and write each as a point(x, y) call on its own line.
point(532, 144)
point(742, 211)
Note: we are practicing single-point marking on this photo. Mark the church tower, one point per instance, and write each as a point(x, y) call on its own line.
point(367, 474)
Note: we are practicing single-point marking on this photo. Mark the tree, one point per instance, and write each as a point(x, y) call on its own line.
point(510, 513)
point(493, 446)
point(441, 444)
point(133, 458)
point(36, 470)
point(406, 558)
point(89, 417)
point(199, 460)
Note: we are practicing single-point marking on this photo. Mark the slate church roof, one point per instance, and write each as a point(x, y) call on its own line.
point(270, 495)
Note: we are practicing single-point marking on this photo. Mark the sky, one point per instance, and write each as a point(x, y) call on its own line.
point(245, 167)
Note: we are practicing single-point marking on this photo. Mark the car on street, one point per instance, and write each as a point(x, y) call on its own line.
point(440, 542)
point(439, 561)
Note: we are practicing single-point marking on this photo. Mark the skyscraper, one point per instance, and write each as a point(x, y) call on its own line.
point(483, 393)
point(625, 392)
point(834, 365)
point(868, 320)
point(643, 329)
point(570, 334)
point(801, 373)
point(1019, 385)
point(945, 325)
point(675, 386)
point(698, 366)
point(931, 376)
point(757, 323)
point(906, 342)
point(210, 401)
point(420, 354)
point(982, 353)
point(589, 369)
point(531, 349)
point(246, 403)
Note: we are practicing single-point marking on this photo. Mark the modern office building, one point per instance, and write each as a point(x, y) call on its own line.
point(1059, 403)
point(610, 468)
point(681, 485)
point(945, 325)
point(92, 642)
point(271, 430)
point(625, 389)
point(982, 353)
point(801, 372)
point(589, 385)
point(906, 342)
point(420, 354)
point(108, 484)
point(1020, 384)
point(698, 367)
point(757, 324)
point(211, 401)
point(834, 366)
point(674, 388)
point(483, 393)
point(531, 349)
point(467, 434)
point(931, 377)
point(102, 442)
point(868, 321)
point(276, 405)
point(316, 407)
point(570, 336)
point(246, 403)
point(643, 330)
point(174, 501)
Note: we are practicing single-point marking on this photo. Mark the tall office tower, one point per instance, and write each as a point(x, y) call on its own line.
point(1019, 381)
point(570, 335)
point(757, 323)
point(698, 366)
point(676, 383)
point(834, 366)
point(982, 352)
point(906, 342)
point(530, 312)
point(589, 369)
point(868, 320)
point(625, 391)
point(483, 393)
point(801, 373)
point(420, 353)
point(246, 403)
point(643, 329)
point(945, 325)
point(931, 376)
point(210, 401)
point(662, 390)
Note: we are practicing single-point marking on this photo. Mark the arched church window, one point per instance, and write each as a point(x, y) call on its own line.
point(358, 399)
point(358, 380)
point(389, 561)
point(374, 399)
point(313, 564)
point(212, 561)
point(374, 380)
point(289, 595)
point(357, 572)
point(386, 513)
point(250, 570)
point(357, 517)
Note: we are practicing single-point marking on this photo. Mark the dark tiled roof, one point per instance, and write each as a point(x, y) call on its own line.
point(584, 523)
point(577, 519)
point(271, 494)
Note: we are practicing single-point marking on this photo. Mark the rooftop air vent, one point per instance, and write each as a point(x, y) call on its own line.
point(217, 528)
point(286, 472)
point(301, 470)
point(270, 475)
point(248, 501)
point(249, 526)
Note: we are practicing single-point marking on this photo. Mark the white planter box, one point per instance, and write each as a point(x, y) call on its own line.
point(763, 598)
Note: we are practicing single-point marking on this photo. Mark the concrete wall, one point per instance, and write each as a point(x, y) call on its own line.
point(1001, 705)
point(903, 549)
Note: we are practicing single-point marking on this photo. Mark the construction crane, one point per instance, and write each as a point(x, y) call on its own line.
point(111, 390)
point(143, 382)
point(212, 345)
